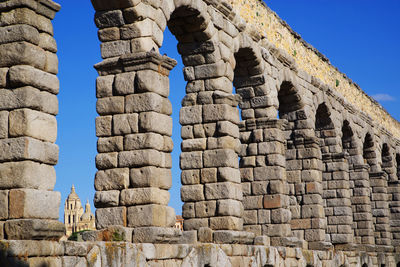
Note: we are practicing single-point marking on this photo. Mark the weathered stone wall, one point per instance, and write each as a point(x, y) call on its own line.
point(296, 175)
point(104, 254)
point(267, 23)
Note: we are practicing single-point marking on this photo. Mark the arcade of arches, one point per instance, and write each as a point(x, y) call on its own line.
point(278, 167)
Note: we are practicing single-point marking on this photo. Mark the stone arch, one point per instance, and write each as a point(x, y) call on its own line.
point(335, 179)
point(303, 162)
point(211, 189)
point(379, 194)
point(388, 162)
point(263, 160)
point(209, 116)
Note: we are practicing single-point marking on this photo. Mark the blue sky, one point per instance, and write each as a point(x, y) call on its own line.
point(360, 37)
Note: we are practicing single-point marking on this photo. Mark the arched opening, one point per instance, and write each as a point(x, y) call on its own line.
point(209, 118)
point(247, 81)
point(289, 101)
point(388, 162)
point(369, 153)
point(398, 166)
point(325, 132)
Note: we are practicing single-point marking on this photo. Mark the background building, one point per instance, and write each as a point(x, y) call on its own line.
point(75, 219)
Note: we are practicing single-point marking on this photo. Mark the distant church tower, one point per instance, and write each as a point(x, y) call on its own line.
point(74, 218)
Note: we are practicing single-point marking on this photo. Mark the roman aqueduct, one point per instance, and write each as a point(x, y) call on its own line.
point(304, 173)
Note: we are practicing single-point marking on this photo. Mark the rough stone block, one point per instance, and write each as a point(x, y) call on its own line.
point(142, 196)
point(22, 75)
point(226, 174)
point(47, 42)
point(107, 160)
point(124, 83)
point(107, 19)
point(191, 160)
point(151, 81)
point(110, 105)
point(144, 141)
point(227, 128)
point(110, 144)
point(34, 229)
point(225, 190)
point(205, 235)
point(28, 97)
point(106, 217)
point(26, 148)
point(274, 201)
point(73, 261)
point(104, 86)
point(194, 224)
point(143, 44)
point(157, 235)
point(209, 175)
point(112, 179)
point(220, 112)
point(143, 28)
point(155, 122)
point(115, 48)
point(205, 208)
point(208, 71)
point(125, 124)
point(3, 124)
point(3, 205)
point(27, 174)
point(219, 84)
point(233, 237)
point(106, 199)
point(141, 158)
point(190, 177)
point(27, 122)
point(51, 65)
point(194, 144)
point(192, 193)
point(230, 207)
point(226, 223)
point(17, 33)
point(151, 177)
point(221, 158)
point(147, 102)
point(151, 215)
point(188, 210)
point(33, 204)
point(22, 53)
point(190, 115)
point(104, 126)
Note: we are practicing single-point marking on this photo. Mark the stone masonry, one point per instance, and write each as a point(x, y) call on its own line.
point(279, 166)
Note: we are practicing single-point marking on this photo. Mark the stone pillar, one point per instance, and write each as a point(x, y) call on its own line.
point(209, 161)
point(134, 145)
point(361, 205)
point(29, 208)
point(394, 206)
point(264, 182)
point(380, 208)
point(337, 198)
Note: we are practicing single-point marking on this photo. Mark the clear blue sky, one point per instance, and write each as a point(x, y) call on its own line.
point(360, 37)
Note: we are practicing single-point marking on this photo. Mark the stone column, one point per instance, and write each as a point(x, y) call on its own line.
point(337, 199)
point(134, 145)
point(29, 208)
point(264, 181)
point(209, 161)
point(361, 205)
point(380, 208)
point(394, 206)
